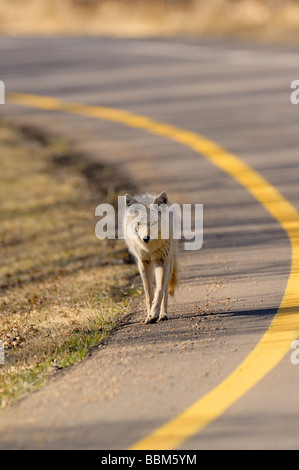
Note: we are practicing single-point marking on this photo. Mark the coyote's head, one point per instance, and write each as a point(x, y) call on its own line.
point(143, 216)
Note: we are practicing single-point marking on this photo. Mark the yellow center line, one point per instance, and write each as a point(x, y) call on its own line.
point(284, 328)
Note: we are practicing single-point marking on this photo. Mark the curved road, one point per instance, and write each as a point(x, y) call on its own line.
point(238, 96)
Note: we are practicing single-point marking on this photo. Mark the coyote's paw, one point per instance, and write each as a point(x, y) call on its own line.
point(151, 319)
point(163, 317)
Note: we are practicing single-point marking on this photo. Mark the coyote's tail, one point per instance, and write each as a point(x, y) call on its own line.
point(174, 278)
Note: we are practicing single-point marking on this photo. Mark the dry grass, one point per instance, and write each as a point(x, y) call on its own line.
point(61, 289)
point(260, 19)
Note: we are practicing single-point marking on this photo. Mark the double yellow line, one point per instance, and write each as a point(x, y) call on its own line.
point(284, 328)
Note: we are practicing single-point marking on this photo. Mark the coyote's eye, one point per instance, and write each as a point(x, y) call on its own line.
point(139, 224)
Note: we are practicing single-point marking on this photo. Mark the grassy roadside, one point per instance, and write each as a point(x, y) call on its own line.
point(61, 289)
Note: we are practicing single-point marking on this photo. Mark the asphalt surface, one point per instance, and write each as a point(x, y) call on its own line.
point(237, 95)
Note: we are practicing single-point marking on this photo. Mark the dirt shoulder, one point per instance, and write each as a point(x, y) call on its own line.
point(62, 291)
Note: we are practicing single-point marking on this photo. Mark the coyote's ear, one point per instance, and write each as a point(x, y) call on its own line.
point(161, 199)
point(130, 200)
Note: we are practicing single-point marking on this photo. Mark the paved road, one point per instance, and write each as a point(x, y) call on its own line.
point(237, 95)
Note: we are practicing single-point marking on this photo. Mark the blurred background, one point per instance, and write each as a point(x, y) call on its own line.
point(274, 20)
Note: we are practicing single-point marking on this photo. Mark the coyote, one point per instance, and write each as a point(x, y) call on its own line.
point(153, 254)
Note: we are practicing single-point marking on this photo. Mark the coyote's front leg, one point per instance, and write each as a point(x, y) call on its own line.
point(162, 281)
point(145, 269)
